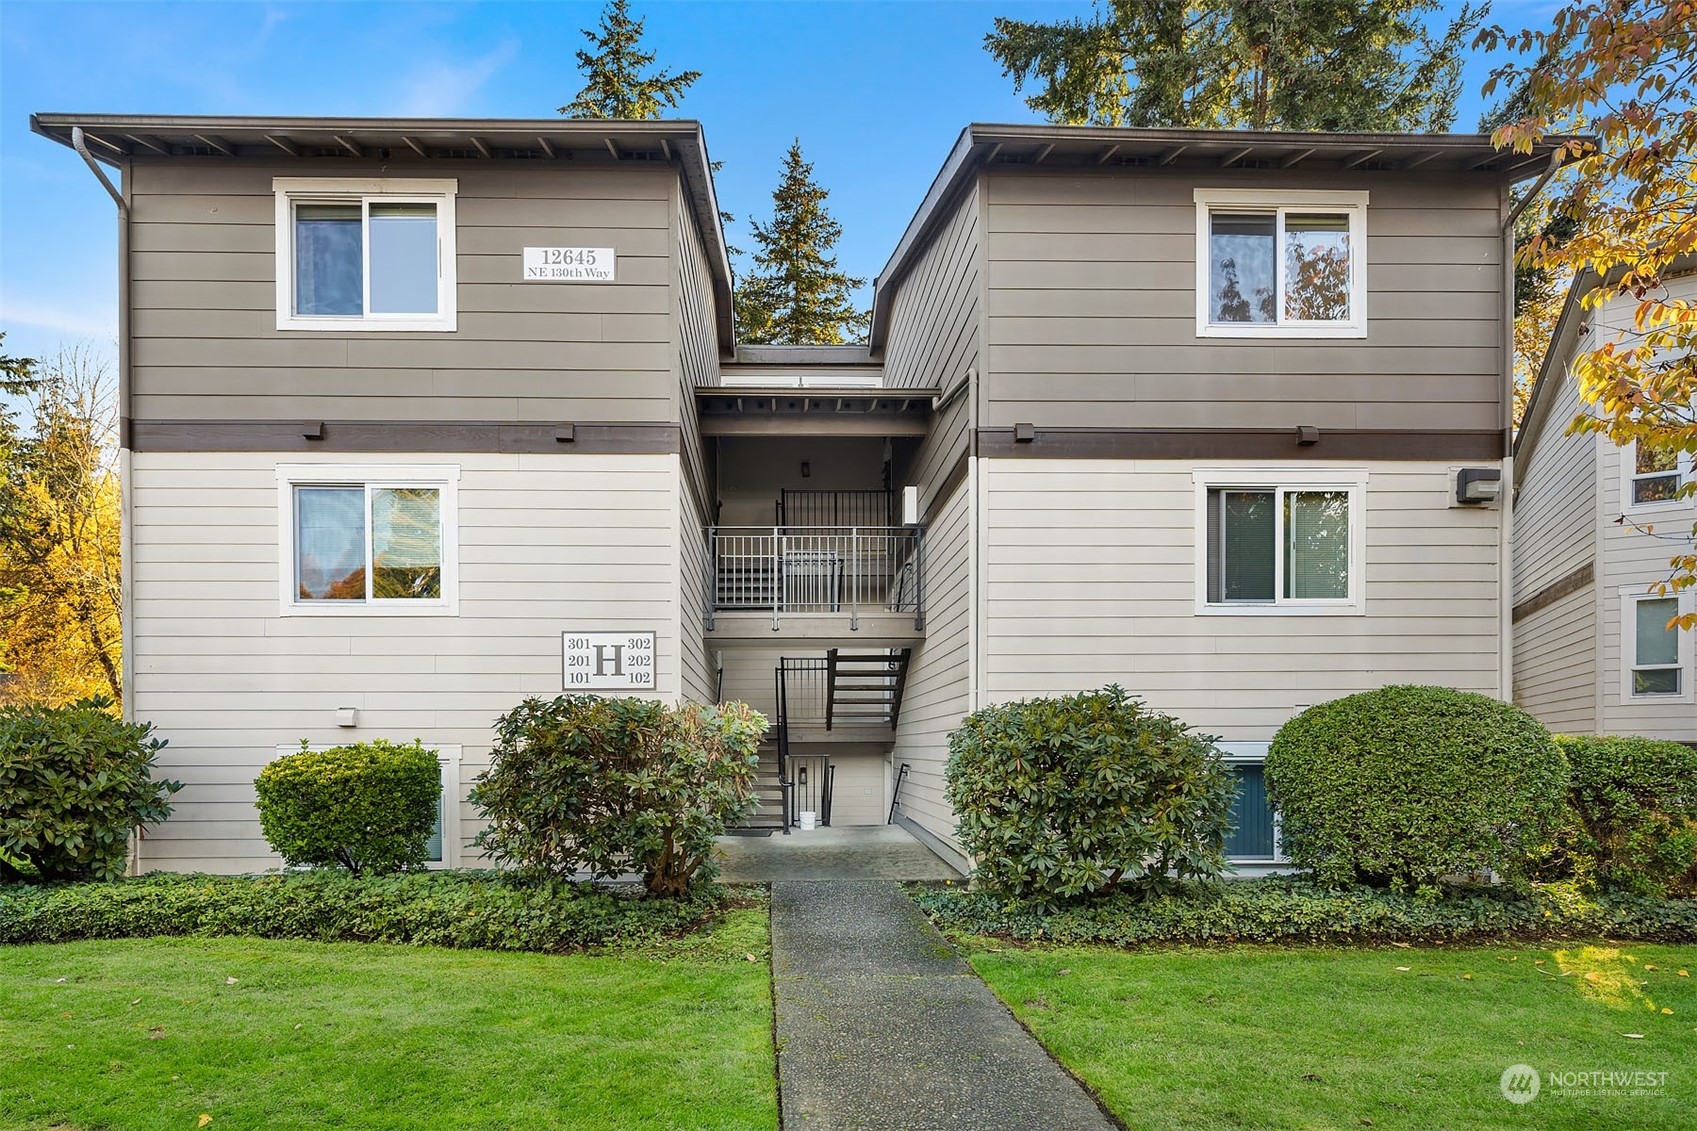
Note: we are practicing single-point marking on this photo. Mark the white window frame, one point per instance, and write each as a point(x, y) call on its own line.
point(1629, 598)
point(448, 758)
point(1352, 204)
point(363, 191)
point(445, 478)
point(1255, 754)
point(1351, 480)
point(1685, 468)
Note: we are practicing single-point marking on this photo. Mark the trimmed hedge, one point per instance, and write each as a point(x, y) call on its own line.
point(473, 910)
point(365, 806)
point(1632, 823)
point(1283, 910)
point(1062, 797)
point(1407, 786)
point(75, 782)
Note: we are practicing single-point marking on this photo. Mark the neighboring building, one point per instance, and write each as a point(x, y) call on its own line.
point(1595, 525)
point(1183, 410)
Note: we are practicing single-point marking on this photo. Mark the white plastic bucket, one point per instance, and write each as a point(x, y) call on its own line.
point(807, 819)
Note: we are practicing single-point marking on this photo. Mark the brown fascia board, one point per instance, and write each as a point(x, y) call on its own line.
point(1294, 150)
point(682, 139)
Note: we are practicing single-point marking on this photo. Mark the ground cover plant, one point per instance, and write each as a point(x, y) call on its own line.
point(1405, 786)
point(1282, 909)
point(158, 1035)
point(474, 910)
point(1395, 1037)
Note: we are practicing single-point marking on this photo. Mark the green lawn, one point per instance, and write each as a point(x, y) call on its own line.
point(1267, 1037)
point(140, 1034)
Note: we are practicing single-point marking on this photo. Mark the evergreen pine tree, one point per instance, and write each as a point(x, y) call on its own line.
point(618, 86)
point(1334, 65)
point(797, 295)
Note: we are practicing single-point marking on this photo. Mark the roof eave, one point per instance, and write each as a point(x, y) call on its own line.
point(1292, 150)
point(116, 137)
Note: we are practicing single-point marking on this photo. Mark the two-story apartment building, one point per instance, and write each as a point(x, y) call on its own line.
point(425, 416)
point(1595, 527)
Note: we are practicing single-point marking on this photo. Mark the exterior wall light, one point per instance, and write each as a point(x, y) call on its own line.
point(1478, 484)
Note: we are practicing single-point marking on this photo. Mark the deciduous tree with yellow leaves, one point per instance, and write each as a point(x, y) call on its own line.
point(1626, 71)
point(60, 590)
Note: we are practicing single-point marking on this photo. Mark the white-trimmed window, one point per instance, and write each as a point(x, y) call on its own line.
point(1281, 264)
point(442, 849)
point(1290, 541)
point(368, 539)
point(1651, 478)
point(1656, 657)
point(365, 253)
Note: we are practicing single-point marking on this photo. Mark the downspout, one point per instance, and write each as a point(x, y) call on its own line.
point(126, 537)
point(1505, 553)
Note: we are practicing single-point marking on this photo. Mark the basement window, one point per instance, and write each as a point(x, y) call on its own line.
point(365, 254)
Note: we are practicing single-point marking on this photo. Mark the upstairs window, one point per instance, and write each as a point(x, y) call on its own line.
point(1287, 264)
point(1653, 477)
point(375, 254)
point(1289, 543)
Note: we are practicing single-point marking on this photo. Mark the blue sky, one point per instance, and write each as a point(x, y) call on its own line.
point(877, 92)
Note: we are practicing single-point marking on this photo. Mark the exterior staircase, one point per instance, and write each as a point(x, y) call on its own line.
point(770, 815)
point(865, 689)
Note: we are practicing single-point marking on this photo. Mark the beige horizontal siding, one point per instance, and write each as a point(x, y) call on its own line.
point(1091, 310)
point(939, 684)
point(1555, 655)
point(204, 320)
point(547, 543)
point(935, 316)
point(1090, 579)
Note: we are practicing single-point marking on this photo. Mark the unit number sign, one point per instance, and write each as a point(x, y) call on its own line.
point(609, 661)
point(569, 264)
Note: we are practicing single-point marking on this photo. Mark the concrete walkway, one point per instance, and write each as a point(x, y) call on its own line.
point(877, 852)
point(882, 1026)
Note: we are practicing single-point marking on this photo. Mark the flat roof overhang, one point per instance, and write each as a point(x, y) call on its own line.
point(813, 412)
point(988, 147)
point(117, 138)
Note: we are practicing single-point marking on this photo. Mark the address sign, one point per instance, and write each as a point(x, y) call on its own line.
point(609, 661)
point(569, 264)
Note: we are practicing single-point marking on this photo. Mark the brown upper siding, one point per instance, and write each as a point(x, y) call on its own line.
point(206, 347)
point(1091, 318)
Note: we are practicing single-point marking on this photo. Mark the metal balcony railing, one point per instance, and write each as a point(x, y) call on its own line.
point(816, 569)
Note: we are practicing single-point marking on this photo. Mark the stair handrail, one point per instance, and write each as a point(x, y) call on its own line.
point(783, 747)
point(896, 793)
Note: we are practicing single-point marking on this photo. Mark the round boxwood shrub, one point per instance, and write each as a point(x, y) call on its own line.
point(1405, 786)
point(1632, 815)
point(369, 807)
point(75, 782)
point(1062, 797)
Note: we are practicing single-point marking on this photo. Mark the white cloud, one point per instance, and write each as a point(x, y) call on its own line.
point(441, 89)
point(79, 322)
